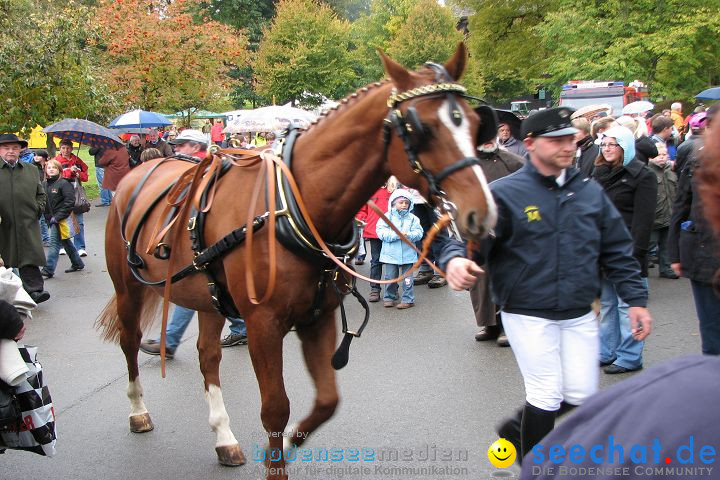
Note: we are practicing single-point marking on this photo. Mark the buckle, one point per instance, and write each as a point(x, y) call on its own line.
point(191, 223)
point(199, 267)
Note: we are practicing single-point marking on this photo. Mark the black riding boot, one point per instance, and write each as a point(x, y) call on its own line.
point(510, 428)
point(510, 431)
point(536, 423)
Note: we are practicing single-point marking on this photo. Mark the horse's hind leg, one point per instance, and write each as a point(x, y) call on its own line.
point(130, 308)
point(318, 344)
point(226, 446)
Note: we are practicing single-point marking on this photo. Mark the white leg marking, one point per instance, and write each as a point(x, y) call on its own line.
point(289, 431)
point(219, 420)
point(463, 139)
point(135, 394)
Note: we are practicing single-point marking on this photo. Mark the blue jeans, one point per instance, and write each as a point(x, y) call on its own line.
point(105, 194)
point(616, 342)
point(376, 267)
point(707, 306)
point(79, 239)
point(181, 319)
point(391, 289)
point(44, 230)
point(54, 251)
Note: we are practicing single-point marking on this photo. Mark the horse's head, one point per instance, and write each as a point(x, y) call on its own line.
point(432, 136)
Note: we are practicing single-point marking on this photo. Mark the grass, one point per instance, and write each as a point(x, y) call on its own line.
point(91, 187)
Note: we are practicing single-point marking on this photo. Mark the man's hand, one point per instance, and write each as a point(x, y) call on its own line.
point(640, 322)
point(462, 273)
point(677, 268)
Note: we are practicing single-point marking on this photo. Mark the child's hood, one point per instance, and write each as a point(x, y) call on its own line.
point(400, 192)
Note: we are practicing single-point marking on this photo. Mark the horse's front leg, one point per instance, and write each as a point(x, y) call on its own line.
point(318, 344)
point(228, 451)
point(265, 342)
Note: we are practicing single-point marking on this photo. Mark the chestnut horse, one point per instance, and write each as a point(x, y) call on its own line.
point(338, 163)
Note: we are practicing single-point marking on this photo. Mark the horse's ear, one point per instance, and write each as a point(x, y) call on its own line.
point(456, 65)
point(397, 73)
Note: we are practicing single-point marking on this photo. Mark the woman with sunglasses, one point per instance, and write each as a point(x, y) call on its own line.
point(632, 188)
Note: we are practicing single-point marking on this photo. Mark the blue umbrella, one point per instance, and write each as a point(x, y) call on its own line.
point(139, 119)
point(709, 94)
point(84, 132)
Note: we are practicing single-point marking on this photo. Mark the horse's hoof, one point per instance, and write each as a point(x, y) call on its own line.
point(141, 423)
point(230, 455)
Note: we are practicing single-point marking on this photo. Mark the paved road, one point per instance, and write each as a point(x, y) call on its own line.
point(417, 386)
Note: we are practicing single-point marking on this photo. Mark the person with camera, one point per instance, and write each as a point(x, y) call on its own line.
point(74, 171)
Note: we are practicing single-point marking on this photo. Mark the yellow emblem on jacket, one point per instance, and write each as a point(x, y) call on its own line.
point(533, 213)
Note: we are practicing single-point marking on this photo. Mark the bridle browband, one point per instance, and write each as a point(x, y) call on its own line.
point(410, 130)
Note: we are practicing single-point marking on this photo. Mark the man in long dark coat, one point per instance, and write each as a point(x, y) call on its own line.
point(22, 199)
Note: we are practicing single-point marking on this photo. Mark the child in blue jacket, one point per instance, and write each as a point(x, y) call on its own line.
point(396, 255)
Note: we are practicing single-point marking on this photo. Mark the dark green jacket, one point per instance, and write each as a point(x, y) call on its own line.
point(22, 200)
point(667, 189)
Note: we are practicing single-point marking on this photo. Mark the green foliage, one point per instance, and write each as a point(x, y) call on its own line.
point(249, 15)
point(48, 70)
point(672, 46)
point(428, 34)
point(349, 9)
point(304, 50)
point(373, 32)
point(505, 55)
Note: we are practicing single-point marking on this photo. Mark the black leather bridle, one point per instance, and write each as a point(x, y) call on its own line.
point(411, 132)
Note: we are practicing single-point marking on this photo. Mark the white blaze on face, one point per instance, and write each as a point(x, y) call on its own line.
point(463, 139)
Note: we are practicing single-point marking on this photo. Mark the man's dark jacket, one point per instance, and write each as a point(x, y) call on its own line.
point(589, 152)
point(549, 245)
point(22, 201)
point(499, 163)
point(694, 246)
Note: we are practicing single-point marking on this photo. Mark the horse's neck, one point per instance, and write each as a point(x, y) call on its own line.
point(339, 163)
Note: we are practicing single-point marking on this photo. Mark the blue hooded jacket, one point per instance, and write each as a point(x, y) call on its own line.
point(625, 139)
point(394, 251)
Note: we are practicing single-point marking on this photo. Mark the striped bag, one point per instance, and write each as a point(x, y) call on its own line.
point(36, 431)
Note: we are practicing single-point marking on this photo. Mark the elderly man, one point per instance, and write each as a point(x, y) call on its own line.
point(192, 143)
point(508, 142)
point(22, 200)
point(676, 116)
point(154, 141)
point(556, 230)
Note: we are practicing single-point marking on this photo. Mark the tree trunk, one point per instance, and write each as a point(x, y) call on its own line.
point(50, 145)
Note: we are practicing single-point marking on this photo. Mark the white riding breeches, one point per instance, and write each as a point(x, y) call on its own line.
point(558, 359)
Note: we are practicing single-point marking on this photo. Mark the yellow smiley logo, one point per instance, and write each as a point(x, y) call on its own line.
point(502, 453)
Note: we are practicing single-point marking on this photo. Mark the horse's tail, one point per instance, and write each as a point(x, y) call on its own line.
point(109, 322)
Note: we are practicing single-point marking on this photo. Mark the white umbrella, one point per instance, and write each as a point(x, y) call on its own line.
point(640, 106)
point(270, 119)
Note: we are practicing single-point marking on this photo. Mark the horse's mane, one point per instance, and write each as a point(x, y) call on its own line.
point(710, 179)
point(350, 99)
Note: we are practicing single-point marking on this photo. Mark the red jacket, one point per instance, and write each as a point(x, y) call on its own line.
point(67, 164)
point(216, 133)
point(368, 215)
